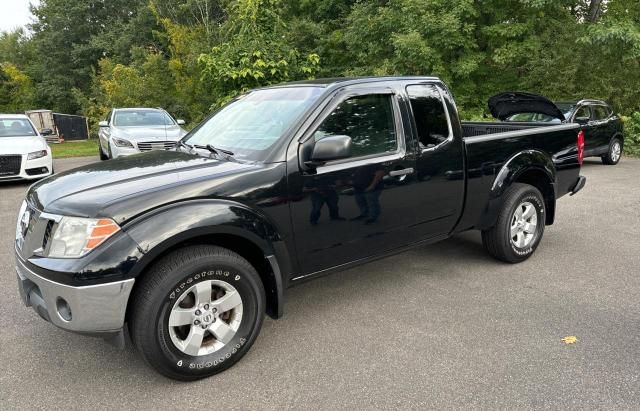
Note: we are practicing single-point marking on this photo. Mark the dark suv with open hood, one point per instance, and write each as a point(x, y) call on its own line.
point(603, 129)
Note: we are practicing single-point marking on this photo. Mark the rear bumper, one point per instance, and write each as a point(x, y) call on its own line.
point(95, 309)
point(582, 180)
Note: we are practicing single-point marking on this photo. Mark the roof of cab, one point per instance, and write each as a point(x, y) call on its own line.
point(328, 82)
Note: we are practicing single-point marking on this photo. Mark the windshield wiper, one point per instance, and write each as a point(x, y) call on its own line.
point(218, 150)
point(187, 146)
point(215, 150)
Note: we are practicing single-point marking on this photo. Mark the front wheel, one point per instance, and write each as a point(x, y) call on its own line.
point(614, 154)
point(519, 227)
point(197, 312)
point(103, 156)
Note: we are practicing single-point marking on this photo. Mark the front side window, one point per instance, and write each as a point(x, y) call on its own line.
point(142, 118)
point(601, 112)
point(430, 116)
point(16, 127)
point(368, 120)
point(583, 112)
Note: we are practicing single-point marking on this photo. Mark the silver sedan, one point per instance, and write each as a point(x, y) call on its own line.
point(129, 131)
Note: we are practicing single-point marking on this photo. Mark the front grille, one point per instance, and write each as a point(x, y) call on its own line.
point(156, 145)
point(10, 165)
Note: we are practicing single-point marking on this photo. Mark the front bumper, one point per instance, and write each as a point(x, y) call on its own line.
point(122, 151)
point(94, 309)
point(32, 169)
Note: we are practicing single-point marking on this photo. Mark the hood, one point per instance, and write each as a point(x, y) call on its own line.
point(22, 145)
point(128, 186)
point(159, 133)
point(507, 104)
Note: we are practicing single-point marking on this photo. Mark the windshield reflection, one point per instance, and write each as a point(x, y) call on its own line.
point(252, 124)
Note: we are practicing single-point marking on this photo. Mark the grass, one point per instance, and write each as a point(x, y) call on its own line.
point(75, 149)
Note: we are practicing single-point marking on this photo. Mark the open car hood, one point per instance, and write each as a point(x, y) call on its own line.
point(506, 104)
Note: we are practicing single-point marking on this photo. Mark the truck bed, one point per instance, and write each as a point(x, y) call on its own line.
point(481, 128)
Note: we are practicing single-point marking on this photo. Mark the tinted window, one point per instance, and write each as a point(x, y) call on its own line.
point(368, 120)
point(583, 112)
point(16, 127)
point(600, 112)
point(430, 116)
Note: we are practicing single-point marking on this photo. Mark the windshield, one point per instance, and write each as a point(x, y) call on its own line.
point(533, 118)
point(566, 108)
point(16, 127)
point(249, 126)
point(141, 118)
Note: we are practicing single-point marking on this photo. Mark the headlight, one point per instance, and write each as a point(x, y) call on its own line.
point(122, 143)
point(37, 154)
point(75, 237)
point(23, 220)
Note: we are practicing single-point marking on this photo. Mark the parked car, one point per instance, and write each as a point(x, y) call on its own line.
point(24, 153)
point(129, 131)
point(603, 129)
point(191, 247)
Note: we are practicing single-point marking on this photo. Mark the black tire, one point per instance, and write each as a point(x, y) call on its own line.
point(166, 283)
point(614, 154)
point(103, 156)
point(498, 240)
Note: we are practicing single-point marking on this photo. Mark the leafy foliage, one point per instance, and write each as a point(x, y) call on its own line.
point(252, 53)
point(191, 56)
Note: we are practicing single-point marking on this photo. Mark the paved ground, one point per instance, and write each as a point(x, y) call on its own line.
point(444, 326)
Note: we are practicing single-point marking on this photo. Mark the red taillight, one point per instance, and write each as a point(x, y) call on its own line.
point(580, 144)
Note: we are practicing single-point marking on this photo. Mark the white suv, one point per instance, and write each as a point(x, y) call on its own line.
point(24, 153)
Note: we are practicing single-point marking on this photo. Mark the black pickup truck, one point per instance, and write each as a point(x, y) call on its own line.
point(191, 247)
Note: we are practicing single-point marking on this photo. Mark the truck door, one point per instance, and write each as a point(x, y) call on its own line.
point(439, 160)
point(353, 208)
point(603, 128)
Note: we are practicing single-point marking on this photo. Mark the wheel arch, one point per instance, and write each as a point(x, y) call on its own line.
point(531, 167)
point(225, 224)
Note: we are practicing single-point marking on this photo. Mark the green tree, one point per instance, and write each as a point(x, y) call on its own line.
point(253, 52)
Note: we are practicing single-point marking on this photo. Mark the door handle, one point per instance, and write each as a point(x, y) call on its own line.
point(397, 173)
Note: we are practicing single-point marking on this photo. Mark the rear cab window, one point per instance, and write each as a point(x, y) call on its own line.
point(431, 119)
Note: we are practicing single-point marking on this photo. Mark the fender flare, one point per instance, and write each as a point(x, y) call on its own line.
point(620, 136)
point(166, 227)
point(522, 163)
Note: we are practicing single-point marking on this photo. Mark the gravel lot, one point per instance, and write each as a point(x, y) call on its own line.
point(443, 326)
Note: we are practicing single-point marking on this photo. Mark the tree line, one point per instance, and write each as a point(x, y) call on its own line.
point(191, 56)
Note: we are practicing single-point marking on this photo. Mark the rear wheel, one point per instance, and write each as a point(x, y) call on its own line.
point(197, 312)
point(519, 227)
point(614, 154)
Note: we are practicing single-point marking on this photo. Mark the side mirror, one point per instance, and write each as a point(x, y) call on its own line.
point(46, 132)
point(331, 148)
point(180, 122)
point(582, 120)
point(103, 124)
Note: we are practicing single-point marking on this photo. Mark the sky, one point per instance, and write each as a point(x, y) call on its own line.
point(14, 13)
